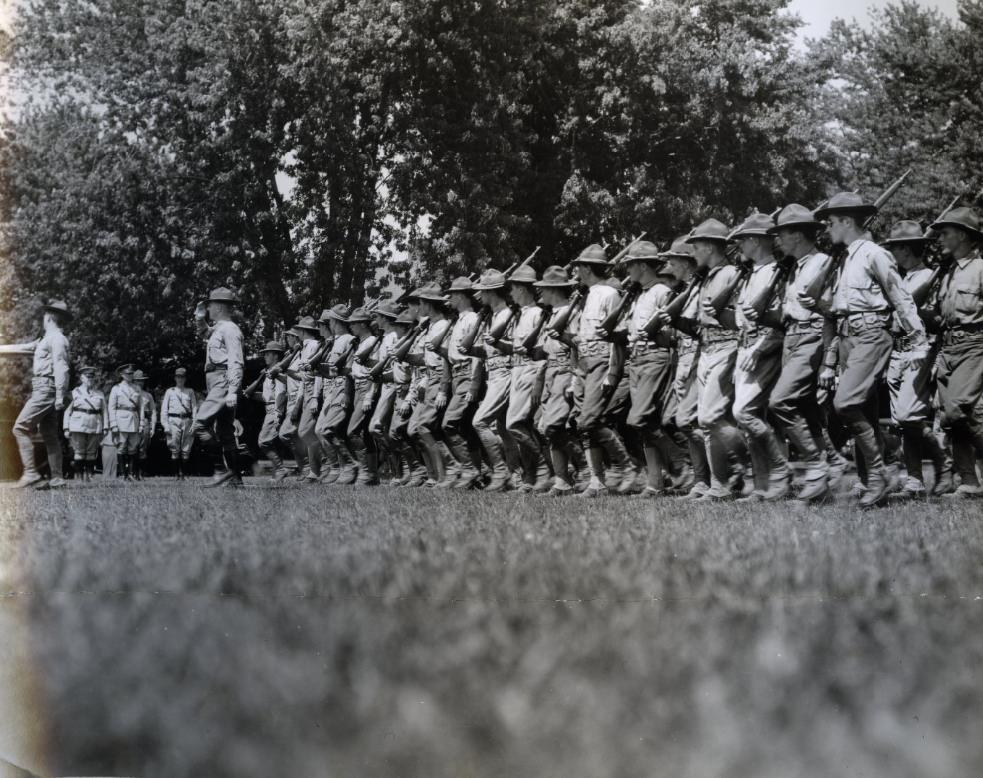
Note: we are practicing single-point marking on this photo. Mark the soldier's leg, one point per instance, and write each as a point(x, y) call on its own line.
point(751, 391)
point(485, 424)
point(79, 453)
point(725, 446)
point(40, 405)
point(457, 416)
point(309, 440)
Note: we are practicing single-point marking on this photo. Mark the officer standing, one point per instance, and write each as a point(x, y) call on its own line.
point(125, 420)
point(960, 306)
point(49, 386)
point(86, 421)
point(213, 425)
point(177, 413)
point(148, 408)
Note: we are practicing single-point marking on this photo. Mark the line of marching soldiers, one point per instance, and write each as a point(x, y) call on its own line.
point(704, 369)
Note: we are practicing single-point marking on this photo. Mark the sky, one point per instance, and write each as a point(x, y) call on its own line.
point(817, 14)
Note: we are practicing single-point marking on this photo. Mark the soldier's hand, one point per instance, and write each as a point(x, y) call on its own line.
point(519, 351)
point(489, 339)
point(367, 405)
point(231, 399)
point(274, 371)
point(917, 360)
point(553, 333)
point(827, 377)
point(468, 398)
point(440, 401)
point(59, 403)
point(201, 310)
point(749, 361)
point(662, 316)
point(806, 301)
point(749, 313)
point(428, 345)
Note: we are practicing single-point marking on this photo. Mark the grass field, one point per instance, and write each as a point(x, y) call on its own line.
point(325, 631)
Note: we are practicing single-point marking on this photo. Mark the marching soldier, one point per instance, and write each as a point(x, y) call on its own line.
point(213, 425)
point(291, 418)
point(465, 385)
point(274, 395)
point(759, 357)
point(49, 386)
point(808, 333)
point(363, 398)
point(556, 403)
point(336, 400)
point(148, 407)
point(650, 370)
point(525, 389)
point(718, 357)
point(321, 460)
point(86, 421)
point(598, 374)
point(912, 391)
point(379, 363)
point(126, 420)
point(867, 288)
point(177, 413)
point(960, 307)
point(489, 418)
point(415, 472)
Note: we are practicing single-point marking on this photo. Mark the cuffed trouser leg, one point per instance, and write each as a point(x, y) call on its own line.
point(793, 402)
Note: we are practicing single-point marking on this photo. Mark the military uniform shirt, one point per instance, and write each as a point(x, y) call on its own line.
point(434, 333)
point(124, 407)
point(360, 370)
point(465, 323)
point(310, 382)
point(716, 282)
point(181, 402)
point(274, 395)
point(224, 352)
point(553, 346)
point(51, 361)
point(149, 411)
point(86, 412)
point(755, 286)
point(600, 301)
point(961, 292)
point(526, 324)
point(652, 298)
point(341, 351)
point(913, 279)
point(806, 271)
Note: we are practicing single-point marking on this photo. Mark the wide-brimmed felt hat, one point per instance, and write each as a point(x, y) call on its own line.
point(181, 372)
point(406, 318)
point(681, 248)
point(523, 274)
point(222, 295)
point(58, 306)
point(757, 225)
point(360, 314)
point(87, 370)
point(388, 310)
point(711, 230)
point(431, 293)
point(413, 294)
point(906, 231)
point(139, 375)
point(273, 346)
point(555, 276)
point(965, 219)
point(339, 312)
point(307, 323)
point(124, 369)
point(594, 254)
point(461, 284)
point(490, 279)
point(795, 215)
point(643, 251)
point(846, 203)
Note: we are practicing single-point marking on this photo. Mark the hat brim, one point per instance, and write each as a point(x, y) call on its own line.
point(432, 298)
point(708, 239)
point(488, 287)
point(862, 211)
point(222, 300)
point(646, 258)
point(794, 226)
point(601, 262)
point(750, 234)
point(555, 284)
point(304, 328)
point(937, 226)
point(60, 311)
point(334, 317)
point(271, 351)
point(687, 257)
point(902, 241)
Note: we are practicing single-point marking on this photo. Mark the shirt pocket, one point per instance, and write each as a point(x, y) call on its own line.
point(967, 301)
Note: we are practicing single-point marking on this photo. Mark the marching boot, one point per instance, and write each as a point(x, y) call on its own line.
point(368, 466)
point(596, 487)
point(348, 473)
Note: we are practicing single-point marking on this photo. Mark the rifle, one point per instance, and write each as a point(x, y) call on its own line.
point(624, 252)
point(723, 298)
point(563, 320)
point(468, 342)
point(365, 348)
point(675, 307)
point(764, 300)
point(532, 338)
point(498, 331)
point(265, 371)
point(610, 322)
point(399, 352)
point(821, 281)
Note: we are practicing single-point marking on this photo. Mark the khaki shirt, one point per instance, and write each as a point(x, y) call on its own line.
point(755, 286)
point(648, 302)
point(869, 282)
point(340, 353)
point(50, 358)
point(183, 402)
point(600, 301)
point(223, 350)
point(716, 282)
point(554, 347)
point(149, 410)
point(360, 371)
point(434, 333)
point(274, 396)
point(526, 324)
point(466, 322)
point(124, 407)
point(86, 412)
point(496, 321)
point(913, 279)
point(806, 271)
point(961, 292)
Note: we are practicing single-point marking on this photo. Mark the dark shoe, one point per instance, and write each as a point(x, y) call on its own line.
point(878, 488)
point(222, 478)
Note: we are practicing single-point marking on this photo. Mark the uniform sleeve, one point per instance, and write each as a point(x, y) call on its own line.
point(234, 366)
point(153, 414)
point(105, 413)
point(883, 269)
point(19, 349)
point(68, 413)
point(111, 407)
point(59, 363)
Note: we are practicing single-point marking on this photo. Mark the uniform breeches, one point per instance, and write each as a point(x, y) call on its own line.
point(213, 426)
point(39, 413)
point(649, 384)
point(793, 402)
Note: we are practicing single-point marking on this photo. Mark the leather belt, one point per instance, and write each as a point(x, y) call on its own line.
point(717, 335)
point(594, 348)
point(493, 363)
point(179, 415)
point(558, 361)
point(869, 320)
point(87, 410)
point(646, 347)
point(956, 334)
point(797, 327)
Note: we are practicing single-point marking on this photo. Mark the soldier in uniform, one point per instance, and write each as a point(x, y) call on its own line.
point(465, 375)
point(177, 413)
point(363, 398)
point(808, 333)
point(321, 460)
point(86, 421)
point(726, 450)
point(126, 420)
point(434, 386)
point(650, 369)
point(556, 342)
point(599, 372)
point(759, 357)
point(213, 425)
point(489, 417)
point(148, 407)
point(289, 377)
point(379, 363)
point(49, 386)
point(867, 288)
point(336, 399)
point(959, 305)
point(414, 472)
point(527, 374)
point(274, 395)
point(912, 391)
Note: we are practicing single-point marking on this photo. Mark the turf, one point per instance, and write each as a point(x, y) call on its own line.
point(319, 631)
